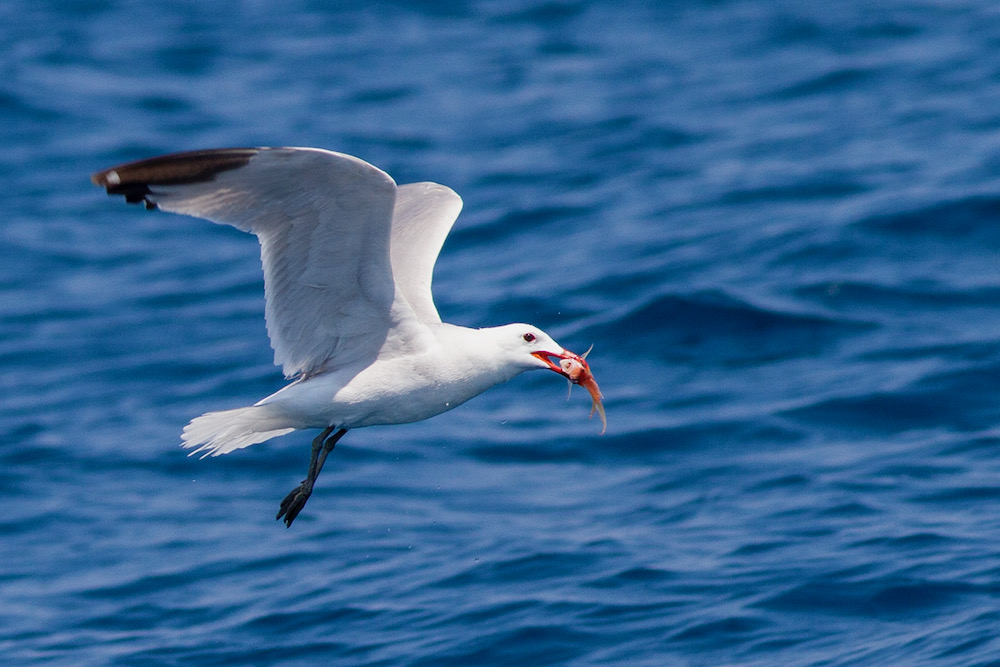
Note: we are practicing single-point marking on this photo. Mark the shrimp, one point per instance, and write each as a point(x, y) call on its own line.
point(577, 371)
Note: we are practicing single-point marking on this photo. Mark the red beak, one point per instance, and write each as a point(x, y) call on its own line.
point(566, 354)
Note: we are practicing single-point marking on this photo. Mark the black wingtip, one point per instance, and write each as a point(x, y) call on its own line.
point(133, 179)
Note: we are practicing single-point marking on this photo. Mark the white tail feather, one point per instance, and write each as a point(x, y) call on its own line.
point(222, 432)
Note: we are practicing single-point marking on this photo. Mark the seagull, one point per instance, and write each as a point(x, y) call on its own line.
point(347, 257)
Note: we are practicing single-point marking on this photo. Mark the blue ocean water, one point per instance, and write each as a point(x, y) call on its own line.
point(777, 222)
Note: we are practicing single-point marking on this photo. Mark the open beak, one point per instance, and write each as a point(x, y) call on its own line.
point(565, 354)
point(575, 368)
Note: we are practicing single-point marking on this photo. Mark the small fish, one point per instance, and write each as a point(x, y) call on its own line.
point(577, 371)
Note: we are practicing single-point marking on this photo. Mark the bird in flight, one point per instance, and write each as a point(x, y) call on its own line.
point(348, 257)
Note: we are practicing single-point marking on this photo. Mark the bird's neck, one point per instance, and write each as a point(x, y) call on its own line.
point(474, 355)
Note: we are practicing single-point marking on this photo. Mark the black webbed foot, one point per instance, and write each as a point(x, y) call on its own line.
point(296, 500)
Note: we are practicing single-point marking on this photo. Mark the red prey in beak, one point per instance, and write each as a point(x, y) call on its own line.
point(575, 368)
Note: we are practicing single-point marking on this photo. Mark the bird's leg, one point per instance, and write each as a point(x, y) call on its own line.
point(296, 500)
point(322, 445)
point(328, 446)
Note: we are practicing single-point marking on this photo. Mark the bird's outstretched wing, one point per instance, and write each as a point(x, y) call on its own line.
point(424, 215)
point(324, 221)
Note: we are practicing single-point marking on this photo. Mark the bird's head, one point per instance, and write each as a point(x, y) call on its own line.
point(530, 348)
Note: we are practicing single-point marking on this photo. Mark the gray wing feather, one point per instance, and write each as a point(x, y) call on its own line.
point(424, 214)
point(324, 221)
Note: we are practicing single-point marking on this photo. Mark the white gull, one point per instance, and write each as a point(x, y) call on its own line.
point(348, 257)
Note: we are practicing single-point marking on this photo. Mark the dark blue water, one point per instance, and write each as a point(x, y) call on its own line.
point(777, 222)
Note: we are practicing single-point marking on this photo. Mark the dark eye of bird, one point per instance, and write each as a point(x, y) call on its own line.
point(528, 337)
